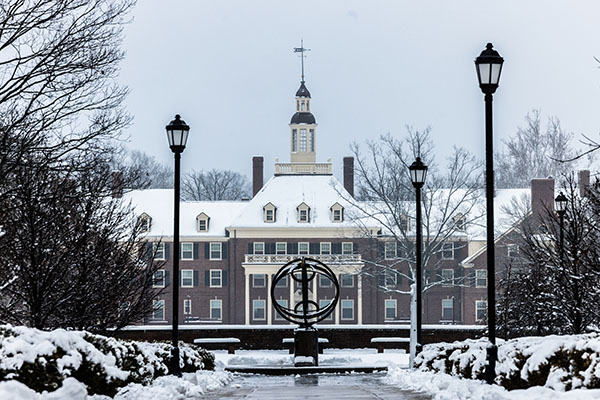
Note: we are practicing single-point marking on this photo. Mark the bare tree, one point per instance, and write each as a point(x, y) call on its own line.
point(141, 170)
point(215, 185)
point(450, 197)
point(58, 78)
point(534, 153)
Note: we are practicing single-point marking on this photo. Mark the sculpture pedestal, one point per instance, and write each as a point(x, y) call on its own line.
point(306, 347)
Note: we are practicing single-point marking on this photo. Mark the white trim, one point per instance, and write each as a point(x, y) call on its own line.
point(183, 271)
point(189, 301)
point(385, 308)
point(477, 308)
point(210, 250)
point(187, 258)
point(211, 308)
point(342, 309)
point(254, 308)
point(164, 279)
point(482, 272)
point(210, 278)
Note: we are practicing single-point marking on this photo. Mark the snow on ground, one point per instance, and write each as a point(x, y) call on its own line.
point(446, 387)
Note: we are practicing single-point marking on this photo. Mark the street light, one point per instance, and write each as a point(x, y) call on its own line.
point(177, 133)
point(489, 66)
point(418, 172)
point(561, 208)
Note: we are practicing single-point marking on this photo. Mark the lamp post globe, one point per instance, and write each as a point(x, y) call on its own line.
point(418, 173)
point(489, 67)
point(177, 134)
point(560, 203)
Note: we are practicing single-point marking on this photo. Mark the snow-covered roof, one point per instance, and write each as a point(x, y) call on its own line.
point(158, 204)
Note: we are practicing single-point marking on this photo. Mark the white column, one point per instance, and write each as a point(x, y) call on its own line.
point(247, 297)
point(338, 305)
point(291, 284)
point(269, 308)
point(359, 299)
point(315, 284)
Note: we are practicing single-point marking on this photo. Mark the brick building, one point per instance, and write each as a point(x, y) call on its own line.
point(231, 249)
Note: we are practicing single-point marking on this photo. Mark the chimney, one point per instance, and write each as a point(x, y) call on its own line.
point(583, 181)
point(542, 196)
point(117, 184)
point(257, 174)
point(349, 175)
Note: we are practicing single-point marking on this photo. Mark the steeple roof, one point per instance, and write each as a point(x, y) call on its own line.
point(302, 91)
point(303, 118)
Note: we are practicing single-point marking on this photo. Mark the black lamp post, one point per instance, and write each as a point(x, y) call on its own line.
point(489, 67)
point(561, 208)
point(177, 133)
point(418, 172)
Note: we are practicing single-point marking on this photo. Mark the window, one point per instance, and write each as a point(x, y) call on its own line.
point(513, 250)
point(325, 248)
point(258, 280)
point(294, 140)
point(447, 277)
point(259, 248)
point(283, 303)
point(460, 222)
point(303, 213)
point(187, 251)
point(390, 309)
point(347, 248)
point(159, 251)
point(215, 251)
point(159, 279)
point(144, 223)
point(346, 280)
point(282, 282)
point(281, 248)
point(187, 306)
point(187, 278)
point(216, 278)
point(404, 223)
point(216, 307)
point(269, 212)
point(324, 281)
point(448, 251)
point(303, 248)
point(302, 105)
point(337, 213)
point(390, 250)
point(347, 309)
point(312, 138)
point(202, 222)
point(302, 140)
point(391, 277)
point(158, 309)
point(448, 309)
point(258, 309)
point(480, 310)
point(324, 303)
point(480, 278)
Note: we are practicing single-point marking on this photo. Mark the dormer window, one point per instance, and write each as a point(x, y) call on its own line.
point(303, 213)
point(337, 213)
point(269, 212)
point(460, 222)
point(404, 223)
point(202, 221)
point(144, 223)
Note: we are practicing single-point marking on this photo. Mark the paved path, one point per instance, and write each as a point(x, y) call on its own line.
point(329, 386)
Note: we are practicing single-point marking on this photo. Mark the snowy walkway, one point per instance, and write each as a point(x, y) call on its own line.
point(347, 387)
point(318, 386)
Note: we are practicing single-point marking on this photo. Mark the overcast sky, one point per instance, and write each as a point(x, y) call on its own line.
point(374, 66)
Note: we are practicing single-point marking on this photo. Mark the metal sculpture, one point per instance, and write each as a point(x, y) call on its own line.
point(305, 312)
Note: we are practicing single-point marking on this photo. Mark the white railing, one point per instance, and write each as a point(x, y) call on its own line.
point(284, 258)
point(303, 168)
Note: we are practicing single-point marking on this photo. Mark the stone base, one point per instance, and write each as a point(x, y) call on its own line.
point(306, 347)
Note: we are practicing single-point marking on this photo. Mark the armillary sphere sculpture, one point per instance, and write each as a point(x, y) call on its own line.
point(305, 312)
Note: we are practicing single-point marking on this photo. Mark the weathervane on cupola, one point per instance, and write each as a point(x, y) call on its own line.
point(301, 50)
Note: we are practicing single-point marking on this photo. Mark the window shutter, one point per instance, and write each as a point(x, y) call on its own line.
point(251, 248)
point(167, 251)
point(207, 250)
point(471, 280)
point(399, 277)
point(380, 250)
point(179, 250)
point(336, 248)
point(269, 248)
point(314, 248)
point(179, 279)
point(293, 248)
point(167, 275)
point(355, 248)
point(195, 278)
point(223, 250)
point(207, 278)
point(195, 251)
point(149, 252)
point(224, 277)
point(381, 280)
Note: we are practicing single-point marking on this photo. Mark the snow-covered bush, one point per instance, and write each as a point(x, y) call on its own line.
point(42, 360)
point(557, 362)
